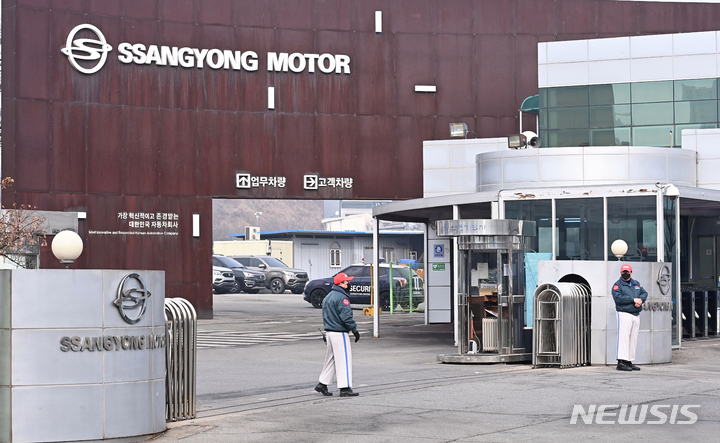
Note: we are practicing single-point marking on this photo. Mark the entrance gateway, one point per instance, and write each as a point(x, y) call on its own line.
point(491, 290)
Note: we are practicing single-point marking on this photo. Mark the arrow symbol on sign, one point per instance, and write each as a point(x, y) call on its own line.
point(242, 181)
point(311, 181)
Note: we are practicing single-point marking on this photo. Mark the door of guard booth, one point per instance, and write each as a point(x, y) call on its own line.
point(491, 291)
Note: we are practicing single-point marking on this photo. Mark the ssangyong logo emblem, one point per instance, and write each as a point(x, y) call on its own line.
point(86, 49)
point(132, 296)
point(664, 280)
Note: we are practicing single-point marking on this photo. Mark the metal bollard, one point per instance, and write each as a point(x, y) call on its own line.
point(181, 359)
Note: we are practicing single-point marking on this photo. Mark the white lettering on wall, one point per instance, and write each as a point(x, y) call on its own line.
point(297, 62)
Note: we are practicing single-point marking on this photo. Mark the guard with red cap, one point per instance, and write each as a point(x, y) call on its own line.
point(338, 321)
point(629, 297)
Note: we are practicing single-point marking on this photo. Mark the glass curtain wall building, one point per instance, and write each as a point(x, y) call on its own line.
point(627, 114)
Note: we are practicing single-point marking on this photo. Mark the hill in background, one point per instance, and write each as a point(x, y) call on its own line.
point(230, 216)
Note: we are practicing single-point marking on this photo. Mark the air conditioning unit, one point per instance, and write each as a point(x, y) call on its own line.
point(252, 233)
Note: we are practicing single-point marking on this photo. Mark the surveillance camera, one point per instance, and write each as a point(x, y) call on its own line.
point(672, 191)
point(533, 141)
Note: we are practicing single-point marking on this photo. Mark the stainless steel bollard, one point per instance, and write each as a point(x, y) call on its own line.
point(181, 362)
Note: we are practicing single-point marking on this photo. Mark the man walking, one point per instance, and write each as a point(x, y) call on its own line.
point(338, 321)
point(629, 297)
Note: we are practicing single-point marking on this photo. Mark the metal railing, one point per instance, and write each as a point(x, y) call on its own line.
point(562, 325)
point(181, 362)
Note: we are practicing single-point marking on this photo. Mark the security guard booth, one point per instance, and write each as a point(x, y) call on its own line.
point(491, 289)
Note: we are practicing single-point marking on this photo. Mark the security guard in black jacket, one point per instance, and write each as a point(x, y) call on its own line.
point(629, 297)
point(338, 321)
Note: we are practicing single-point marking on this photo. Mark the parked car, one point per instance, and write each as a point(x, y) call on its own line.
point(277, 274)
point(248, 280)
point(224, 280)
point(359, 288)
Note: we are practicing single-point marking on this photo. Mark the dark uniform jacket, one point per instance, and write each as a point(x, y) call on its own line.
point(337, 313)
point(625, 292)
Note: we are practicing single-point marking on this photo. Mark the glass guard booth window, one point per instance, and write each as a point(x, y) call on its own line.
point(541, 213)
point(579, 227)
point(634, 219)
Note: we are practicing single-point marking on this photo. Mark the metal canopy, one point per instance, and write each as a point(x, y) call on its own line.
point(476, 205)
point(531, 105)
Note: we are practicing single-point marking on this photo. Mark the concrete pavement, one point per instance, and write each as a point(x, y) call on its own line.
point(265, 393)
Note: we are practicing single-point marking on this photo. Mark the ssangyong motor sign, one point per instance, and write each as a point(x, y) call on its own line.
point(90, 49)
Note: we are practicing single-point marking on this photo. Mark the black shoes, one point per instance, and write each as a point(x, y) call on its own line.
point(632, 366)
point(344, 392)
point(347, 392)
point(624, 365)
point(321, 388)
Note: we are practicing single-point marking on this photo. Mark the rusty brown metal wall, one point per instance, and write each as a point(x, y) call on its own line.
point(168, 139)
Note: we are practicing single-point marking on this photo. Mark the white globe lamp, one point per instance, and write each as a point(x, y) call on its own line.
point(67, 247)
point(619, 248)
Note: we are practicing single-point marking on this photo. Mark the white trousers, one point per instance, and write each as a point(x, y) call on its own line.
point(628, 327)
point(338, 360)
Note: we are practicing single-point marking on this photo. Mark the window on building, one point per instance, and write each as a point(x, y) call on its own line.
point(541, 213)
point(634, 220)
point(579, 227)
point(335, 256)
point(624, 114)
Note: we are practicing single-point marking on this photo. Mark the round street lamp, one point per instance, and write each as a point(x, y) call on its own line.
point(619, 248)
point(67, 247)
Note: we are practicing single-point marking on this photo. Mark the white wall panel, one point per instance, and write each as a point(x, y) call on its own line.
point(609, 71)
point(608, 48)
point(691, 43)
point(651, 46)
point(563, 74)
point(456, 154)
point(36, 350)
point(5, 423)
point(135, 403)
point(436, 180)
point(629, 59)
point(520, 169)
point(682, 169)
point(436, 155)
point(462, 180)
point(60, 413)
point(695, 66)
point(645, 167)
point(439, 297)
point(598, 165)
point(559, 168)
point(606, 167)
point(543, 76)
point(5, 281)
point(651, 69)
point(55, 302)
point(440, 316)
point(567, 52)
point(5, 349)
point(542, 53)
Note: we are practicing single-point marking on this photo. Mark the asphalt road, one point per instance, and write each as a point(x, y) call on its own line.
point(260, 357)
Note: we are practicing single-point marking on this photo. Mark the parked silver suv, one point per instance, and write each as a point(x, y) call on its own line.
point(277, 274)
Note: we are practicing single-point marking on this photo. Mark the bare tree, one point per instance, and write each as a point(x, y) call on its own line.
point(20, 233)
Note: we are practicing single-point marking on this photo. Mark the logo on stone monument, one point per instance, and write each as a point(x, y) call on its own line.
point(131, 297)
point(86, 49)
point(664, 280)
